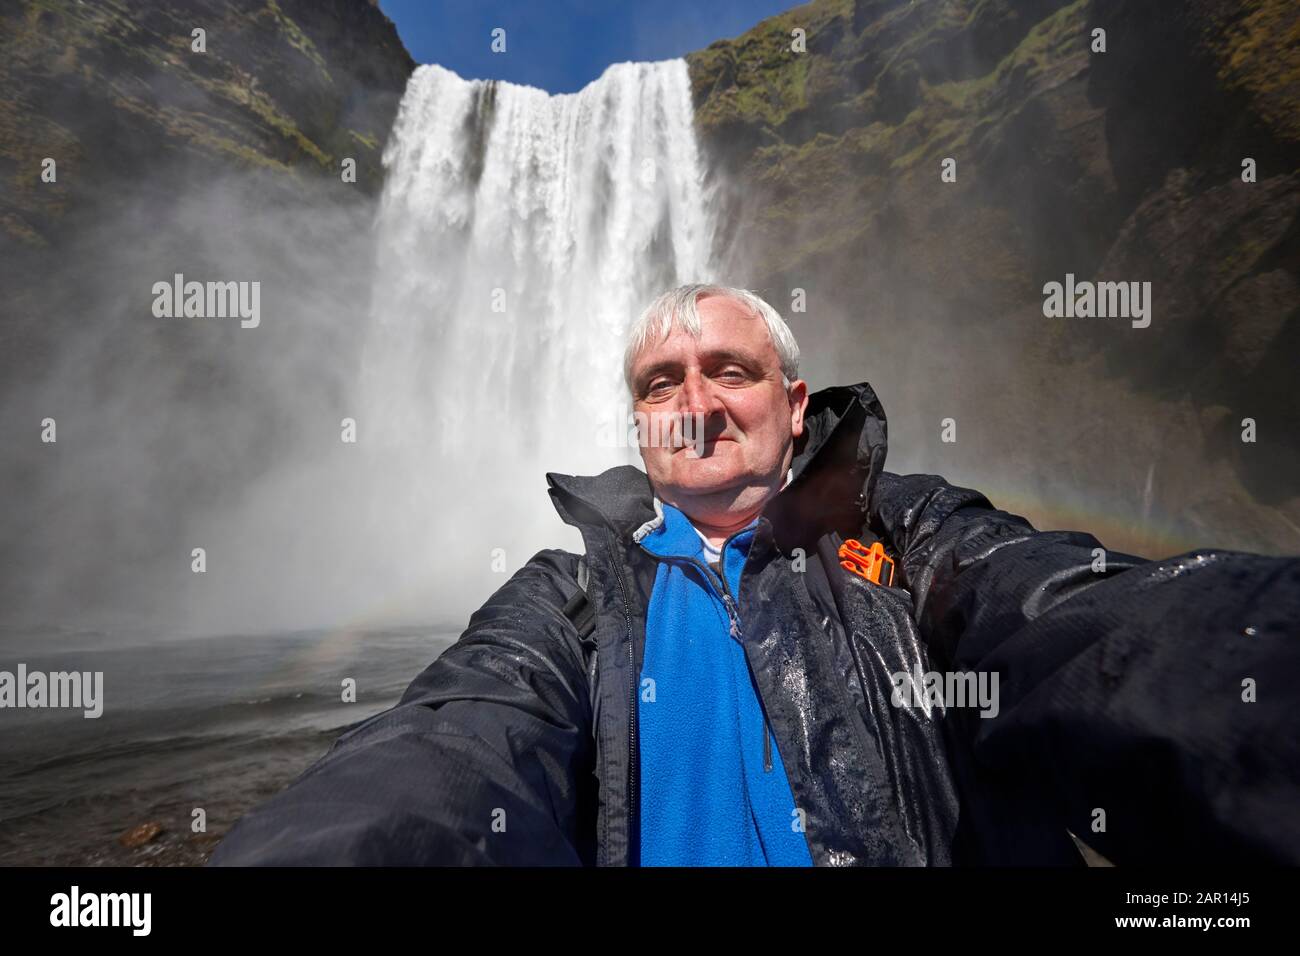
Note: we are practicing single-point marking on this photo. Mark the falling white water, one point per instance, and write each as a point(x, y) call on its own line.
point(519, 236)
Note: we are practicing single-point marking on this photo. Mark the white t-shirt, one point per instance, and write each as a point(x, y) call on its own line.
point(711, 553)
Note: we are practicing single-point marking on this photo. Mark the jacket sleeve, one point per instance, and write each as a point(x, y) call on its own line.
point(487, 758)
point(1159, 699)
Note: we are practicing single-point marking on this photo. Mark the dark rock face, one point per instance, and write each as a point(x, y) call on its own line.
point(1124, 165)
point(114, 91)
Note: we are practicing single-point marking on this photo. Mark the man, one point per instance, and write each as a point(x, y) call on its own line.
point(726, 680)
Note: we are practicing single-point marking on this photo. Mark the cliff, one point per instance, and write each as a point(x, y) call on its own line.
point(113, 91)
point(1120, 165)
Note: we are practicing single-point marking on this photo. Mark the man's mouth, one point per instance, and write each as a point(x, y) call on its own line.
point(706, 444)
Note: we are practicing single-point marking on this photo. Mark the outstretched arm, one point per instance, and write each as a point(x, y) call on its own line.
point(486, 758)
point(1164, 693)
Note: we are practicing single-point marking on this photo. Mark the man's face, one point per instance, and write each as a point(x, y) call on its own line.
point(729, 382)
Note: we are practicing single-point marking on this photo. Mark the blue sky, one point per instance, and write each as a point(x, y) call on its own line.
point(562, 45)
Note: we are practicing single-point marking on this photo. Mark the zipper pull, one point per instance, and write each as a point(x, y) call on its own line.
point(734, 615)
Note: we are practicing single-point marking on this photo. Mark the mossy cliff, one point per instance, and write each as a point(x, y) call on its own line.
point(113, 91)
point(1122, 165)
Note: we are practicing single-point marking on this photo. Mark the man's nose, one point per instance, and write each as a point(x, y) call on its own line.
point(698, 395)
point(701, 413)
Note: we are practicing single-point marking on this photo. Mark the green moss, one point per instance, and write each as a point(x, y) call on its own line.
point(775, 93)
point(947, 136)
point(1047, 43)
point(1242, 258)
point(368, 140)
point(243, 93)
point(297, 39)
point(769, 80)
point(1260, 55)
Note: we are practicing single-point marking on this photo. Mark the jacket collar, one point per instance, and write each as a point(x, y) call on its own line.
point(836, 463)
point(676, 535)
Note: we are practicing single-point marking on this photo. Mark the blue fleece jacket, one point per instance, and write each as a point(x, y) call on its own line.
point(706, 799)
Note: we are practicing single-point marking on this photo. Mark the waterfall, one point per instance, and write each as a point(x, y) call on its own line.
point(519, 235)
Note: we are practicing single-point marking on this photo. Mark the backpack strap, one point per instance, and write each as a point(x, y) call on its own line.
point(578, 609)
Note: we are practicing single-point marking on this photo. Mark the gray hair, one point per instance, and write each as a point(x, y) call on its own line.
point(678, 306)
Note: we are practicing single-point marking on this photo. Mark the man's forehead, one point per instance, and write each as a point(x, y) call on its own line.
point(722, 334)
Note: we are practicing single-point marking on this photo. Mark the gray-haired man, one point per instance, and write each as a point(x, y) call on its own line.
point(754, 663)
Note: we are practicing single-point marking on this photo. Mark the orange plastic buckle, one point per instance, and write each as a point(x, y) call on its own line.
point(866, 563)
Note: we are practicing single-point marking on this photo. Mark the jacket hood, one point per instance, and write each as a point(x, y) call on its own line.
point(836, 462)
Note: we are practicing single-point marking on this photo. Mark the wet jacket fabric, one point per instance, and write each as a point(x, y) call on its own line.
point(714, 791)
point(1147, 708)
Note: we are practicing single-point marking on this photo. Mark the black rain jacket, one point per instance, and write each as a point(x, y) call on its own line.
point(1147, 708)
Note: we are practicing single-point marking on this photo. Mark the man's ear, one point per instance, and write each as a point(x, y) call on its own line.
point(798, 396)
